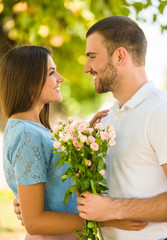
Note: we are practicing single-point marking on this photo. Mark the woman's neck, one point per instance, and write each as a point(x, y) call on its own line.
point(32, 115)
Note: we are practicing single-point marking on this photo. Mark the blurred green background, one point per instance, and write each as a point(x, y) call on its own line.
point(62, 25)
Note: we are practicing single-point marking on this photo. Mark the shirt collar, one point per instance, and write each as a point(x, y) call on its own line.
point(137, 98)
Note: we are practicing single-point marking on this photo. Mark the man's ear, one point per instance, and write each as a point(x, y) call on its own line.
point(121, 56)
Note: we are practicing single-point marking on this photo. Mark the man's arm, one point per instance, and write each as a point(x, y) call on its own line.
point(103, 208)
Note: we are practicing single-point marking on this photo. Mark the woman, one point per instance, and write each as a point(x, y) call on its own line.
point(28, 83)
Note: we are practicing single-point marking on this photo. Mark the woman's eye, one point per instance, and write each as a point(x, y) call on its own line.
point(51, 73)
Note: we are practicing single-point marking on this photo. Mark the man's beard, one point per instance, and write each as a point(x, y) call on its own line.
point(108, 79)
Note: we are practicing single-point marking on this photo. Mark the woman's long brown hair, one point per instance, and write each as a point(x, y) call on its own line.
point(23, 72)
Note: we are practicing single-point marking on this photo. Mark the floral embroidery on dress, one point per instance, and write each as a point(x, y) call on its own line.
point(18, 155)
point(10, 174)
point(28, 168)
point(28, 159)
point(36, 152)
point(27, 139)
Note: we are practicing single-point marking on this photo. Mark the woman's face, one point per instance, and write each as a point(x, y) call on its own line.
point(51, 89)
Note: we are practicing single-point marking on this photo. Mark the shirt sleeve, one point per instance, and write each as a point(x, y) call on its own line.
point(157, 132)
point(29, 162)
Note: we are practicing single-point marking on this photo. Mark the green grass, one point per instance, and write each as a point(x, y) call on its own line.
point(9, 224)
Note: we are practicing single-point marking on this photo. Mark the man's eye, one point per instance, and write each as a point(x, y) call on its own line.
point(51, 73)
point(92, 57)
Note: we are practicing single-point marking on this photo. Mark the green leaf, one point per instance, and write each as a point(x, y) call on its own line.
point(86, 183)
point(103, 181)
point(80, 167)
point(59, 162)
point(64, 177)
point(72, 189)
point(93, 187)
point(100, 164)
point(90, 224)
point(66, 198)
point(77, 233)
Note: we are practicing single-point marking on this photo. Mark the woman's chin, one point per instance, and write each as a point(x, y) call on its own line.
point(58, 100)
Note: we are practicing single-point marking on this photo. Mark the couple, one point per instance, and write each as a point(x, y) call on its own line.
point(136, 165)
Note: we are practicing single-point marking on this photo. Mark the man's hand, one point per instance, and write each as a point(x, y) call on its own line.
point(94, 207)
point(97, 208)
point(17, 210)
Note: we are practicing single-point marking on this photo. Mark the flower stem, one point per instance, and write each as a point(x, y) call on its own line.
point(100, 230)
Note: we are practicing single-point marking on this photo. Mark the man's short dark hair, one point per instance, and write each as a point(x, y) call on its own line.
point(121, 31)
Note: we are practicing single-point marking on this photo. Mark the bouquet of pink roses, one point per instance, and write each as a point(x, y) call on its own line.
point(83, 148)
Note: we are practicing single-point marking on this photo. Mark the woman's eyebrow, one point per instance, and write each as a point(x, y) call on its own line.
point(51, 68)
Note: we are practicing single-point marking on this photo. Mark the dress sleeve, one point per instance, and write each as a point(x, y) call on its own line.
point(29, 163)
point(157, 132)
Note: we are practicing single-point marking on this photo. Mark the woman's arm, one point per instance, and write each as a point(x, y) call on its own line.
point(122, 224)
point(39, 221)
point(98, 117)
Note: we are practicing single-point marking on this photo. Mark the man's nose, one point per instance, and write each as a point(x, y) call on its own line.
point(87, 68)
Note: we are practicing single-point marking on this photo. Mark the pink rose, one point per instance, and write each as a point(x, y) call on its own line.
point(59, 121)
point(99, 126)
point(89, 163)
point(94, 146)
point(111, 142)
point(70, 119)
point(77, 144)
point(88, 130)
point(110, 128)
point(53, 134)
point(58, 127)
point(65, 138)
point(102, 172)
point(56, 145)
point(103, 135)
point(69, 129)
point(91, 139)
point(63, 148)
point(82, 127)
point(83, 138)
point(111, 134)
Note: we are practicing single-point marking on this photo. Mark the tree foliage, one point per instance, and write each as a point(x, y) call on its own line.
point(62, 25)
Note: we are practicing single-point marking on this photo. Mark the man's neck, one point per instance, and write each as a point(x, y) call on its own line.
point(124, 94)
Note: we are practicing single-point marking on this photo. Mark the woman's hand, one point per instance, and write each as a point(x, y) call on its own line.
point(98, 117)
point(17, 210)
point(128, 225)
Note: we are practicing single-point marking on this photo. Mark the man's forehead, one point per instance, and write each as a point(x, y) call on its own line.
point(94, 43)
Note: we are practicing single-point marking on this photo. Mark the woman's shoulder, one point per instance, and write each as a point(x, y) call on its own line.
point(25, 126)
point(17, 129)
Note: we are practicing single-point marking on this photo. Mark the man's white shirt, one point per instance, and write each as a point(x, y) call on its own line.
point(134, 163)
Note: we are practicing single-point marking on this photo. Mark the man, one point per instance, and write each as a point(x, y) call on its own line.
point(116, 49)
point(137, 164)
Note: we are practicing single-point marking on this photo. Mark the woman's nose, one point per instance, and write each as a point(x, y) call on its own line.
point(60, 78)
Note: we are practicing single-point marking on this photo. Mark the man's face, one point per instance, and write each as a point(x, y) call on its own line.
point(100, 65)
